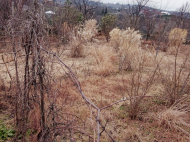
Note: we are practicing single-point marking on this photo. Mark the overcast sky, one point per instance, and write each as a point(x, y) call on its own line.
point(163, 4)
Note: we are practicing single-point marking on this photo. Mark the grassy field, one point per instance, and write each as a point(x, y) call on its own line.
point(103, 83)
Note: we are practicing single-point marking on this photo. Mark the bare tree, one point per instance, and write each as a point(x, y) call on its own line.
point(85, 6)
point(182, 16)
point(26, 29)
point(133, 13)
point(5, 11)
point(149, 21)
point(66, 18)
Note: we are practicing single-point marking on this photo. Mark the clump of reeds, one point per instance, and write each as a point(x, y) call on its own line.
point(127, 39)
point(90, 30)
point(127, 43)
point(82, 37)
point(115, 38)
point(175, 118)
point(176, 38)
point(104, 59)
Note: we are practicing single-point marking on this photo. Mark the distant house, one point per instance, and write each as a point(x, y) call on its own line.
point(50, 12)
point(165, 13)
point(115, 13)
point(153, 12)
point(150, 12)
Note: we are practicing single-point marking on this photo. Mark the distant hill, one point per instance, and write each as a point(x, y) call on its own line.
point(114, 6)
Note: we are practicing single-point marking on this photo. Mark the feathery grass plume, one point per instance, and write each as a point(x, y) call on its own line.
point(76, 42)
point(90, 30)
point(115, 38)
point(177, 37)
point(82, 36)
point(130, 54)
point(128, 43)
point(127, 39)
point(130, 39)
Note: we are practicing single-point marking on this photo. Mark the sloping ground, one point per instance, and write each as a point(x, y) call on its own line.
point(103, 89)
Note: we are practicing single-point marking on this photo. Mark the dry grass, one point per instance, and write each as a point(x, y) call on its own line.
point(102, 85)
point(77, 48)
point(176, 38)
point(177, 116)
point(105, 58)
point(82, 37)
point(128, 43)
point(34, 119)
point(115, 38)
point(172, 118)
point(90, 30)
point(125, 39)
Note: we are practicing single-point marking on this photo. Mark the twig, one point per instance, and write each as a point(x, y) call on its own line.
point(6, 67)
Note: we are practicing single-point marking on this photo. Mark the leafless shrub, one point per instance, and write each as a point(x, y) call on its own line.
point(35, 96)
point(137, 86)
point(176, 78)
point(133, 13)
point(182, 14)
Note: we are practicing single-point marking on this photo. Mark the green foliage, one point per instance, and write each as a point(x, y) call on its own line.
point(68, 3)
point(6, 133)
point(71, 15)
point(67, 14)
point(104, 12)
point(107, 23)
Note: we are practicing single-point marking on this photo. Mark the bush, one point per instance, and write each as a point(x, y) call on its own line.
point(115, 36)
point(63, 22)
point(175, 78)
point(82, 35)
point(177, 37)
point(5, 133)
point(107, 23)
point(133, 58)
point(127, 42)
point(104, 59)
point(90, 30)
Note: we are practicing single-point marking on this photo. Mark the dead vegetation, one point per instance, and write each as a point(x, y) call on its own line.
point(93, 90)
